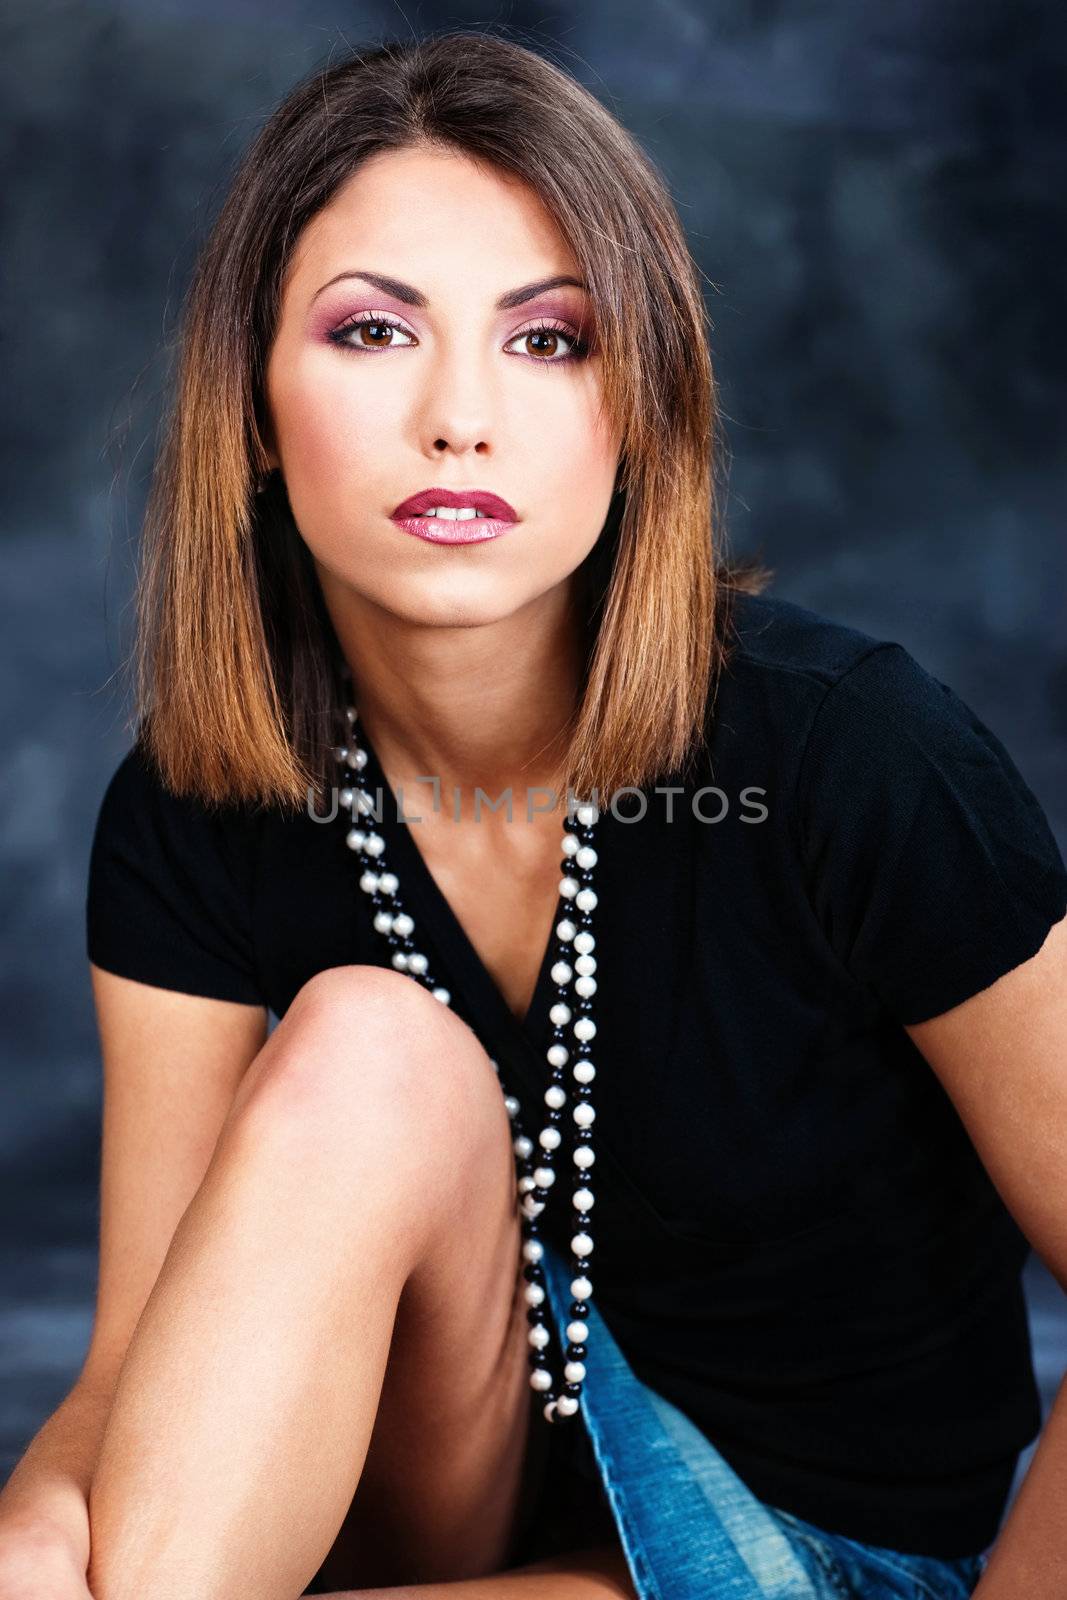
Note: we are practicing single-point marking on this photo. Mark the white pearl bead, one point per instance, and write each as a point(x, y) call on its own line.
point(544, 1177)
point(586, 987)
point(583, 1199)
point(400, 960)
point(585, 899)
point(511, 1105)
point(538, 1336)
point(534, 1294)
point(566, 930)
point(584, 1072)
point(584, 1157)
point(571, 844)
point(442, 994)
point(549, 1409)
point(566, 1405)
point(540, 1379)
point(574, 1372)
point(383, 921)
point(585, 1029)
point(587, 814)
point(356, 839)
point(559, 1014)
point(581, 1288)
point(368, 881)
point(584, 943)
point(352, 756)
point(358, 759)
point(346, 797)
point(417, 963)
point(390, 883)
point(350, 714)
point(549, 1138)
point(568, 887)
point(526, 1183)
point(532, 1207)
point(586, 857)
point(584, 1115)
point(586, 965)
point(555, 1097)
point(403, 924)
point(557, 1055)
point(364, 802)
point(581, 1244)
point(577, 1332)
point(532, 1249)
point(374, 844)
point(561, 973)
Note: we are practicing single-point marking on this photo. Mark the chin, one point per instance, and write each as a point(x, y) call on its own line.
point(456, 605)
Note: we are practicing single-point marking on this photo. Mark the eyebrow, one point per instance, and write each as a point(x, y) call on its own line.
point(414, 297)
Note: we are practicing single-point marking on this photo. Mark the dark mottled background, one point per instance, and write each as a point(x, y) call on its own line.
point(876, 193)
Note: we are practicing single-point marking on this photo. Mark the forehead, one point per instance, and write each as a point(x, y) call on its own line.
point(426, 214)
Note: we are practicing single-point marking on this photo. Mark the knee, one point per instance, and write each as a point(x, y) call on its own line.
point(367, 1056)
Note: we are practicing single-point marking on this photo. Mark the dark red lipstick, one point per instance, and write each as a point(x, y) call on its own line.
point(491, 517)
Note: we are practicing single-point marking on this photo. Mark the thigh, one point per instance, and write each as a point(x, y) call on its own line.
point(457, 1447)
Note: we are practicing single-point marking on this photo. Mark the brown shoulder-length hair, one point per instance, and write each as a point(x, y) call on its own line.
point(239, 675)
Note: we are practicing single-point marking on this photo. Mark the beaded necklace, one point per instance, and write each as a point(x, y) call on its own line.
point(575, 965)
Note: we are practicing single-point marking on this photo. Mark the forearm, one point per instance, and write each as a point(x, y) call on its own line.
point(599, 1574)
point(49, 1487)
point(1030, 1555)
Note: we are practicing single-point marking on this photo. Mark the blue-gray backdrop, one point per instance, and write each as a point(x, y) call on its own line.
point(877, 195)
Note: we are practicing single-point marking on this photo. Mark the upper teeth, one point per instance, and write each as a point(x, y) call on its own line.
point(454, 513)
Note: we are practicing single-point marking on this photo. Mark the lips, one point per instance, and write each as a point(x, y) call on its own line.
point(491, 505)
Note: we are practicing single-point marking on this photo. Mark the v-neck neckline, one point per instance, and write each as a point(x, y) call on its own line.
point(470, 977)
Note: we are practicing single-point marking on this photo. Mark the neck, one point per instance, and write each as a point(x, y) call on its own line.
point(476, 706)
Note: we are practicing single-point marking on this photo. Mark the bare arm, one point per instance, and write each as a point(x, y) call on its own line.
point(172, 1065)
point(1002, 1056)
point(595, 1574)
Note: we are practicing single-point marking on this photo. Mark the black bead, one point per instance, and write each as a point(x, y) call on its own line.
point(533, 1359)
point(535, 1314)
point(531, 1271)
point(578, 1309)
point(572, 1389)
point(576, 1352)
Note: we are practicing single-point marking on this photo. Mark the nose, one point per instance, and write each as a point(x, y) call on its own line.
point(459, 401)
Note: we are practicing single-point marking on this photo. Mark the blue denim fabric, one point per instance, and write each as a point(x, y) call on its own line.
point(691, 1529)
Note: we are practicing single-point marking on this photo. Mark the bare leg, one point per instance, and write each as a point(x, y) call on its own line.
point(339, 1308)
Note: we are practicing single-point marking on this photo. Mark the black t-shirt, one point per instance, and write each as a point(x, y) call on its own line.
point(795, 1239)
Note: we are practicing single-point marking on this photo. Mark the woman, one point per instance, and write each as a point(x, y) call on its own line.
point(431, 523)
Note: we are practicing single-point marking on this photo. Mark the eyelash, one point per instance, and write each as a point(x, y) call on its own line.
point(579, 347)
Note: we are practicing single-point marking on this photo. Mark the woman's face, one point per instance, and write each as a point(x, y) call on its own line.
point(377, 391)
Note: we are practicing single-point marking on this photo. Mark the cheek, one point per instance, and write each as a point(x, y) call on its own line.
point(331, 421)
point(569, 446)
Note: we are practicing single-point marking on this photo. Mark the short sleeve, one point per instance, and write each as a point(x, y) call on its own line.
point(929, 862)
point(168, 899)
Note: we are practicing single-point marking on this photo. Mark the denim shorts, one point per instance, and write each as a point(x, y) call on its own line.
point(690, 1528)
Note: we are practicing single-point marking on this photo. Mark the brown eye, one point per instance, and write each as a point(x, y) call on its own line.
point(369, 332)
point(543, 341)
point(549, 345)
point(375, 334)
